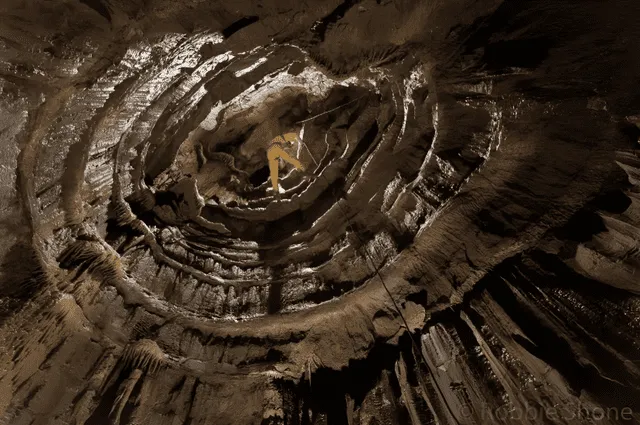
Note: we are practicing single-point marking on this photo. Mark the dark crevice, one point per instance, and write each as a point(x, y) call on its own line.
point(291, 400)
point(130, 406)
point(495, 222)
point(507, 18)
point(586, 223)
point(516, 53)
point(421, 297)
point(364, 144)
point(98, 7)
point(330, 291)
point(320, 28)
point(23, 278)
point(559, 275)
point(100, 415)
point(274, 303)
point(238, 25)
point(547, 344)
point(471, 345)
point(329, 387)
point(615, 202)
point(192, 398)
point(260, 176)
point(320, 258)
point(275, 355)
point(582, 226)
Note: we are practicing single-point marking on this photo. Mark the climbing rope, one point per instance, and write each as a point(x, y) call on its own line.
point(376, 269)
point(415, 345)
point(366, 254)
point(330, 110)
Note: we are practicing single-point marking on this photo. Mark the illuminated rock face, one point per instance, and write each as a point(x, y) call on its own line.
point(473, 178)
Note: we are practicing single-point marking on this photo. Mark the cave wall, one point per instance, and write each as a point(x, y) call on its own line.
point(463, 249)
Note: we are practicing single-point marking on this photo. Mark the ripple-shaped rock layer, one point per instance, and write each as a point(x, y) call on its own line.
point(462, 247)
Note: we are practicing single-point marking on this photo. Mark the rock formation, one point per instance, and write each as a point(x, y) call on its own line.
point(465, 248)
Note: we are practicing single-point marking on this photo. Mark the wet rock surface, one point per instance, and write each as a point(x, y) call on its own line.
point(463, 249)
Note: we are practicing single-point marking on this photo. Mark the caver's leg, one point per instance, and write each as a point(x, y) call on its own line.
point(272, 156)
point(288, 158)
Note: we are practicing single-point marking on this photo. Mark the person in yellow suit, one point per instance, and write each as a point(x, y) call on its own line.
point(276, 150)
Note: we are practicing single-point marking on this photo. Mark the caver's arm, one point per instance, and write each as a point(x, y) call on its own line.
point(291, 137)
point(279, 140)
point(285, 140)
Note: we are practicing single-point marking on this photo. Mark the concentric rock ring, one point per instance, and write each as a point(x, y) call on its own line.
point(466, 236)
point(259, 257)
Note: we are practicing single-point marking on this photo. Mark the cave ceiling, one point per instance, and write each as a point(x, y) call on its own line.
point(460, 248)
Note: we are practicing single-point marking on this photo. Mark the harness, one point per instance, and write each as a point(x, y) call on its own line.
point(279, 140)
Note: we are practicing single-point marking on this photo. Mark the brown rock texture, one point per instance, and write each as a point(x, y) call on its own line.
point(464, 249)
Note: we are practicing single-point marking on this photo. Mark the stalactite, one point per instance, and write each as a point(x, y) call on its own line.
point(145, 355)
point(124, 392)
